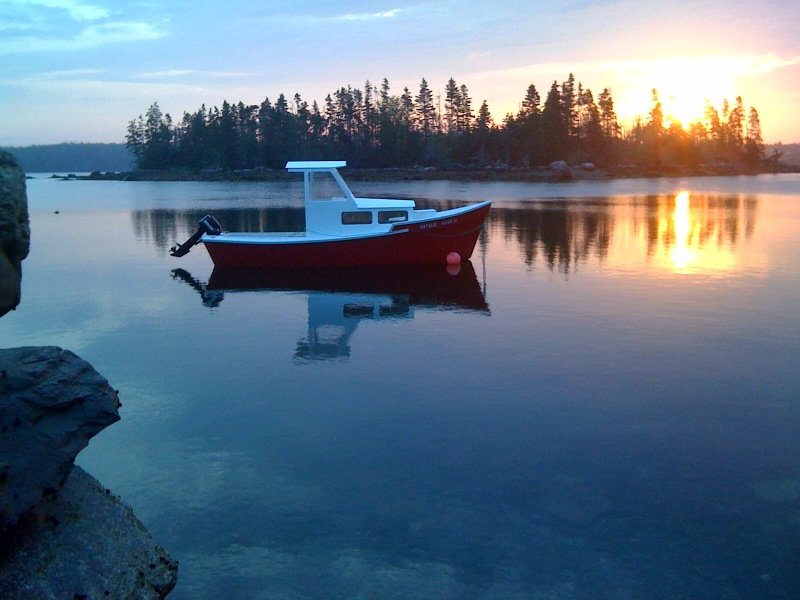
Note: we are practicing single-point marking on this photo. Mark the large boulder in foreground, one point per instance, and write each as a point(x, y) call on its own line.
point(51, 403)
point(61, 534)
point(86, 543)
point(15, 233)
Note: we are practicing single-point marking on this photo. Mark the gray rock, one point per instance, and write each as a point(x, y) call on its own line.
point(85, 543)
point(15, 233)
point(61, 534)
point(51, 403)
point(10, 279)
point(560, 170)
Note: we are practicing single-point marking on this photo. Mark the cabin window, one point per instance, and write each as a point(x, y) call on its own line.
point(322, 186)
point(356, 218)
point(392, 216)
point(359, 310)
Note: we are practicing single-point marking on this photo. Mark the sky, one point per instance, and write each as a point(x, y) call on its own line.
point(80, 70)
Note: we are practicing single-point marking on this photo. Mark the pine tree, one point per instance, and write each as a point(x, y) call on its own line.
point(484, 121)
point(652, 135)
point(227, 138)
point(526, 129)
point(465, 116)
point(713, 124)
point(451, 106)
point(608, 117)
point(590, 131)
point(157, 139)
point(370, 118)
point(754, 145)
point(568, 100)
point(530, 104)
point(735, 127)
point(656, 122)
point(483, 130)
point(424, 110)
point(554, 126)
point(134, 140)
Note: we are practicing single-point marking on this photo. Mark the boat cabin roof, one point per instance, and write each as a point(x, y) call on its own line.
point(294, 166)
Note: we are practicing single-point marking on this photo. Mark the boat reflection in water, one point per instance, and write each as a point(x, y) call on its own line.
point(338, 299)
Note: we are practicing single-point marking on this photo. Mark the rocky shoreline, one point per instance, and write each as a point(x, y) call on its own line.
point(62, 535)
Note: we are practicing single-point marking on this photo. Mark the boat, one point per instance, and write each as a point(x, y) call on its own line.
point(342, 230)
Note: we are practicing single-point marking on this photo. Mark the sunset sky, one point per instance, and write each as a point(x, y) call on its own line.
point(79, 70)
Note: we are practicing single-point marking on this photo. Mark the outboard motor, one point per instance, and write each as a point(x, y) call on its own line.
point(208, 225)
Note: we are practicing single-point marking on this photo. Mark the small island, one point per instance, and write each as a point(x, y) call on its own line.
point(382, 135)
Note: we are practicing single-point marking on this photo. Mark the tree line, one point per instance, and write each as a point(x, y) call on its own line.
point(374, 127)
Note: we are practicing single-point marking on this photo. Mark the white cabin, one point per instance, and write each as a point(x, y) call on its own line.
point(331, 208)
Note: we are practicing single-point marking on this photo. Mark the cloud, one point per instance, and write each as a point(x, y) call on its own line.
point(297, 19)
point(39, 26)
point(166, 73)
point(387, 14)
point(72, 73)
point(92, 36)
point(231, 74)
point(79, 11)
point(756, 65)
point(742, 65)
point(171, 73)
point(98, 35)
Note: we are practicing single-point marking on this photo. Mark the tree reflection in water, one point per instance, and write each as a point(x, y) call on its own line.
point(670, 231)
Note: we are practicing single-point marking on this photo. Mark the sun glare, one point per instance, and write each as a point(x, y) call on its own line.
point(683, 86)
point(684, 89)
point(684, 251)
point(695, 237)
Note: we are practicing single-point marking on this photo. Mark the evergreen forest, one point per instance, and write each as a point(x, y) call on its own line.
point(376, 128)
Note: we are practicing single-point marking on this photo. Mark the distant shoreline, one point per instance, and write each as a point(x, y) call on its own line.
point(102, 159)
point(561, 173)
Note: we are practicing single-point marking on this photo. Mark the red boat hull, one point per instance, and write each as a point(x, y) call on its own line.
point(408, 243)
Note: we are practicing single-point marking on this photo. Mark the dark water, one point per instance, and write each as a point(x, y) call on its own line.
point(604, 404)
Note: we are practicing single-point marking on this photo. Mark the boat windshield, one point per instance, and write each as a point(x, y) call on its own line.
point(323, 186)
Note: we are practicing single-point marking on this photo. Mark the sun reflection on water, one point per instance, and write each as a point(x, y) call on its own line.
point(684, 253)
point(698, 237)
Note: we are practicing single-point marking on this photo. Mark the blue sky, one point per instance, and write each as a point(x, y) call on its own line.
point(79, 70)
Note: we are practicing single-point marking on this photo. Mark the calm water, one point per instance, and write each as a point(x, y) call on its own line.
point(604, 404)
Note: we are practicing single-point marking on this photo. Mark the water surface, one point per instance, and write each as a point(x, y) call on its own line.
point(603, 404)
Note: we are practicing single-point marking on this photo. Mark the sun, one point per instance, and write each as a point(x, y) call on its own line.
point(684, 85)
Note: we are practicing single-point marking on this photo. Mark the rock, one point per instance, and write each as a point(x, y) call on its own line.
point(561, 170)
point(61, 534)
point(9, 285)
point(51, 403)
point(15, 233)
point(85, 543)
